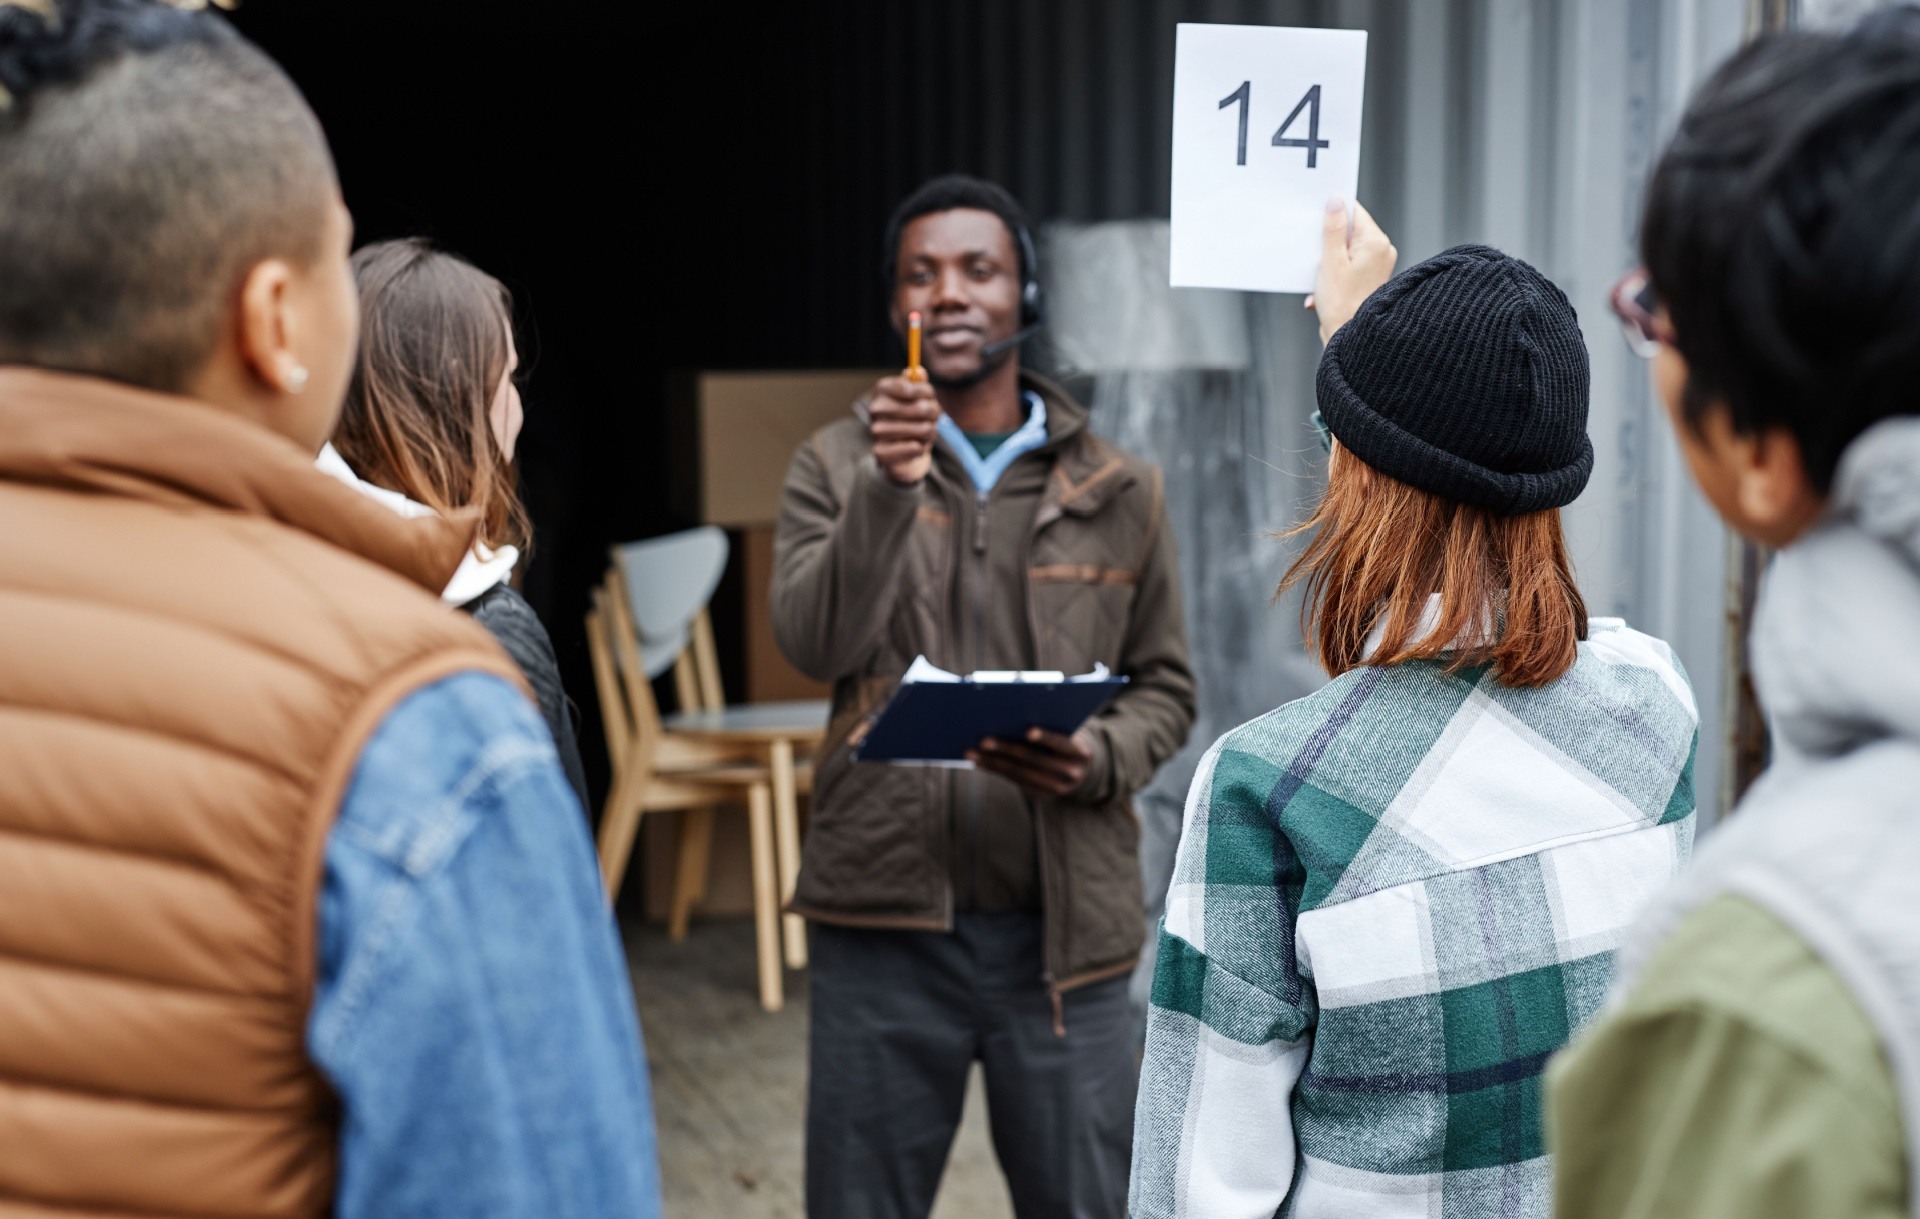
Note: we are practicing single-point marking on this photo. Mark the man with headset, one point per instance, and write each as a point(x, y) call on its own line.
point(990, 914)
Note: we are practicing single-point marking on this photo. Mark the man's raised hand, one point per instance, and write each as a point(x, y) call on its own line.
point(902, 419)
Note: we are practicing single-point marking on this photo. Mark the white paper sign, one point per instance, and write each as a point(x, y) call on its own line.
point(1266, 126)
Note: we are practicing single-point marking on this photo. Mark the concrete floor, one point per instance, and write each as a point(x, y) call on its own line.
point(729, 1085)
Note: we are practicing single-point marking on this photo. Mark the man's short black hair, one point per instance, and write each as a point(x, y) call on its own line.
point(149, 156)
point(943, 194)
point(1782, 232)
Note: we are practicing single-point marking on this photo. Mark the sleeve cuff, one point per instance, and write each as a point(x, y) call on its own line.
point(1097, 787)
point(884, 488)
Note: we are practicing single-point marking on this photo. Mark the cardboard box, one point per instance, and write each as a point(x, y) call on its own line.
point(769, 678)
point(734, 434)
point(737, 432)
point(744, 429)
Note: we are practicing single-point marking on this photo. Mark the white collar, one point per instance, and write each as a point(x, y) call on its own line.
point(1476, 632)
point(479, 571)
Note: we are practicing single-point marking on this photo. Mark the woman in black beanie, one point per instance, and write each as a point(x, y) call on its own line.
point(1396, 897)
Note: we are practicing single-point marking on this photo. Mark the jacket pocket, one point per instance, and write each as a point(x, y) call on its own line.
point(867, 851)
point(1080, 614)
point(1096, 864)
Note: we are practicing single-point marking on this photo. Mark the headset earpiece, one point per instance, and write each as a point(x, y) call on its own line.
point(1032, 304)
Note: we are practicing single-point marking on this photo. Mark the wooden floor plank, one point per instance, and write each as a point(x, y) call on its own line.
point(729, 1084)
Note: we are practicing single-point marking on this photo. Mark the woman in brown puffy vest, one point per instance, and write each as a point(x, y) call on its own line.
point(295, 917)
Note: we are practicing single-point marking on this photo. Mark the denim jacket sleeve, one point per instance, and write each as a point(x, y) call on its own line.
point(472, 1008)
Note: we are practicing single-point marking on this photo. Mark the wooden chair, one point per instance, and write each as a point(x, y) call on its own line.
point(705, 755)
point(666, 583)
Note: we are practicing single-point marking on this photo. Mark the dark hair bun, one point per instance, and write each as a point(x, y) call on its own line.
point(52, 42)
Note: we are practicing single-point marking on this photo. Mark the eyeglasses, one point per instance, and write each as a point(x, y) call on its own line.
point(1321, 430)
point(1638, 307)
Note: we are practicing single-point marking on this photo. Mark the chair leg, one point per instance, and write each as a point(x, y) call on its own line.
point(691, 860)
point(619, 823)
point(766, 897)
point(786, 835)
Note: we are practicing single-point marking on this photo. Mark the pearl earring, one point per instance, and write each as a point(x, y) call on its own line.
point(296, 379)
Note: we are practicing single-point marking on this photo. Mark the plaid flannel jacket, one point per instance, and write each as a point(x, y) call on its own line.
point(1394, 899)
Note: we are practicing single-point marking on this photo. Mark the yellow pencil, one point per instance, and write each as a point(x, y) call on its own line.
point(914, 371)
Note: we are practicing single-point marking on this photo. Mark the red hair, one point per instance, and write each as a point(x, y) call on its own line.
point(1381, 549)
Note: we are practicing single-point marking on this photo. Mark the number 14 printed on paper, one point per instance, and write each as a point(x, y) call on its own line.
point(1266, 126)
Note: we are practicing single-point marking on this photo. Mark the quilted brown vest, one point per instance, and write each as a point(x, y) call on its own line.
point(198, 631)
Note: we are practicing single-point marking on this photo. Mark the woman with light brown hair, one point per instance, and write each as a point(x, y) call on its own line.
point(430, 424)
point(1396, 897)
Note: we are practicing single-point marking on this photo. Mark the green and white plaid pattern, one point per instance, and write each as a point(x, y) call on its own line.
point(1393, 900)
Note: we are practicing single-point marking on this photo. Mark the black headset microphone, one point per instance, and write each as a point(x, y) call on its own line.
point(992, 351)
point(1032, 305)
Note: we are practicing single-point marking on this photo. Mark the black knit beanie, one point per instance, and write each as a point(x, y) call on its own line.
point(1465, 376)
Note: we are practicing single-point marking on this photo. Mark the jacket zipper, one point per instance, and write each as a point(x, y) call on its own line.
point(1046, 968)
point(975, 849)
point(1054, 992)
point(1041, 852)
point(979, 658)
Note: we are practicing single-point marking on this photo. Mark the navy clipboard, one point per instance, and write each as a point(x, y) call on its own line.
point(938, 722)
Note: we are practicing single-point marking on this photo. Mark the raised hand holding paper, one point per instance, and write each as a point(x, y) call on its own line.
point(1266, 126)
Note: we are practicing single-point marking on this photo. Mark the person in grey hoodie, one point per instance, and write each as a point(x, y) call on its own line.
point(1763, 1056)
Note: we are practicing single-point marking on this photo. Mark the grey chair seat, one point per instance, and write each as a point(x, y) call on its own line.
point(807, 716)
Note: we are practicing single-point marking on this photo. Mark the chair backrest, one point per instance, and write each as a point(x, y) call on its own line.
point(702, 660)
point(663, 574)
point(628, 711)
point(667, 582)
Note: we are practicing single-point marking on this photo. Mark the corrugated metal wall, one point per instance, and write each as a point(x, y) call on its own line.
point(1527, 124)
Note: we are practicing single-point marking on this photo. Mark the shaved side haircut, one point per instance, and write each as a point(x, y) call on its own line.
point(149, 157)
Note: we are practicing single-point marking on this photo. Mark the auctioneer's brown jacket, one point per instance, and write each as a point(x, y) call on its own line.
point(198, 631)
point(1065, 563)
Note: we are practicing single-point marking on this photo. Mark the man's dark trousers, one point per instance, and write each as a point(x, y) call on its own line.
point(899, 1018)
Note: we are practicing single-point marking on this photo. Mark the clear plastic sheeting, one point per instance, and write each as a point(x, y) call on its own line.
point(1834, 14)
point(1113, 311)
point(1215, 387)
